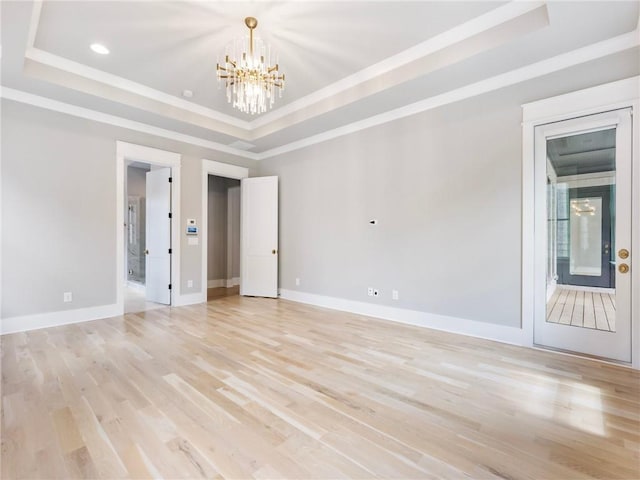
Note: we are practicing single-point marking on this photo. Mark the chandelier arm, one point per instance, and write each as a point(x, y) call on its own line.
point(250, 81)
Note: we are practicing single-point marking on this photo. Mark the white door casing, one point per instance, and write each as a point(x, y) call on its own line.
point(611, 345)
point(210, 167)
point(601, 98)
point(259, 237)
point(158, 236)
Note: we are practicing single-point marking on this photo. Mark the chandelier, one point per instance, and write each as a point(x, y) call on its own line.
point(250, 81)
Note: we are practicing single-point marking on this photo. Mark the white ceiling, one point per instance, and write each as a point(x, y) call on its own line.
point(347, 63)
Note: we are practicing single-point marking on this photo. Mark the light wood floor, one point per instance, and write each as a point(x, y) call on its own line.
point(135, 301)
point(583, 309)
point(260, 388)
point(219, 292)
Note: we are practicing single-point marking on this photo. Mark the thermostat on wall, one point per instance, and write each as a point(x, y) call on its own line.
point(192, 230)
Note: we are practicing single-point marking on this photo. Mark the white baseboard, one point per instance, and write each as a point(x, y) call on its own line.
point(53, 319)
point(190, 299)
point(462, 326)
point(223, 282)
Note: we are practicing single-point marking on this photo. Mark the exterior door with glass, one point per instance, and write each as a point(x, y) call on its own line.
point(583, 218)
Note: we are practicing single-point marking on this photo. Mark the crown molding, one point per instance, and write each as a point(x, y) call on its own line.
point(520, 16)
point(544, 67)
point(37, 56)
point(535, 70)
point(88, 114)
point(453, 36)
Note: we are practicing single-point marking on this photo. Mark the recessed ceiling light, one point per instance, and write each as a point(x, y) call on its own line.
point(99, 48)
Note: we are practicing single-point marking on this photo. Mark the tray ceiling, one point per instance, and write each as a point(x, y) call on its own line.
point(346, 62)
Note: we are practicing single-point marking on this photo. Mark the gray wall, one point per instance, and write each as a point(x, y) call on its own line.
point(223, 219)
point(445, 186)
point(58, 193)
point(58, 209)
point(448, 211)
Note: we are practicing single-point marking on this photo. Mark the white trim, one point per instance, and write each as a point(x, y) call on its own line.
point(472, 328)
point(210, 167)
point(129, 151)
point(607, 97)
point(535, 70)
point(544, 67)
point(189, 299)
point(34, 22)
point(472, 28)
point(448, 38)
point(80, 112)
point(114, 81)
point(53, 319)
point(223, 282)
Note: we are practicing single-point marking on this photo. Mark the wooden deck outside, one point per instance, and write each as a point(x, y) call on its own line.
point(585, 309)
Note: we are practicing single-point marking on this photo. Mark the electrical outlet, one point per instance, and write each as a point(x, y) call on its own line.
point(375, 292)
point(297, 282)
point(370, 291)
point(67, 297)
point(394, 294)
point(189, 283)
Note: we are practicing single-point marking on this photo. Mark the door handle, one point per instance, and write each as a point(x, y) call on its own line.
point(274, 251)
point(623, 253)
point(146, 252)
point(623, 268)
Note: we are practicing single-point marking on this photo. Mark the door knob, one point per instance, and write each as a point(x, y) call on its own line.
point(274, 251)
point(623, 253)
point(623, 268)
point(146, 252)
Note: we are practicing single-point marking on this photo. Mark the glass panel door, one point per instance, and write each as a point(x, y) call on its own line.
point(583, 207)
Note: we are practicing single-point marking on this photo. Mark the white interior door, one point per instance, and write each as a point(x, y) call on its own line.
point(259, 237)
point(158, 236)
point(583, 225)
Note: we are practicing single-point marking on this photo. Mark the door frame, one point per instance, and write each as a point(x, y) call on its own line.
point(126, 152)
point(611, 96)
point(219, 169)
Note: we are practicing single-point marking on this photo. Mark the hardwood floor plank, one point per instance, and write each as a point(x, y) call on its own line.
point(262, 388)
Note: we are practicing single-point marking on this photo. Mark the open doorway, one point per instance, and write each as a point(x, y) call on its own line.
point(148, 237)
point(223, 237)
point(224, 171)
point(148, 244)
